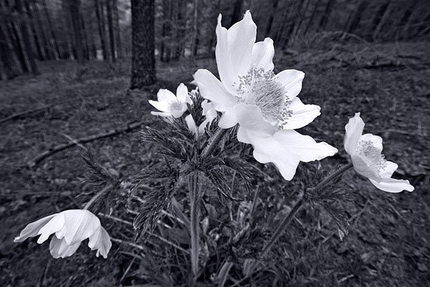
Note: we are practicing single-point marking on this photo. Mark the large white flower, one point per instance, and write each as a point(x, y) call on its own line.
point(368, 160)
point(71, 227)
point(171, 105)
point(265, 105)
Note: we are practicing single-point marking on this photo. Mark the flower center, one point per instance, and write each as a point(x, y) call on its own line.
point(259, 88)
point(176, 106)
point(372, 156)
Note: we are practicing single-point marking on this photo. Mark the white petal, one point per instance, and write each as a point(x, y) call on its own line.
point(392, 185)
point(182, 94)
point(354, 130)
point(100, 240)
point(234, 50)
point(262, 55)
point(361, 167)
point(302, 114)
point(291, 80)
point(251, 118)
point(60, 249)
point(388, 169)
point(212, 89)
point(192, 127)
point(54, 225)
point(304, 146)
point(161, 106)
point(33, 228)
point(161, 114)
point(79, 225)
point(165, 95)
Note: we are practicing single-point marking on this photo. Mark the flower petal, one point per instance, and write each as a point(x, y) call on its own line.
point(100, 240)
point(291, 80)
point(392, 185)
point(161, 114)
point(60, 249)
point(354, 130)
point(250, 117)
point(79, 225)
point(361, 167)
point(304, 146)
point(262, 55)
point(192, 127)
point(302, 114)
point(33, 228)
point(161, 106)
point(388, 169)
point(212, 89)
point(56, 224)
point(234, 50)
point(165, 95)
point(182, 94)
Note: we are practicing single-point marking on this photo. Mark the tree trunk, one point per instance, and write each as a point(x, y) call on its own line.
point(196, 35)
point(74, 7)
point(311, 20)
point(18, 48)
point(7, 60)
point(110, 29)
point(101, 28)
point(271, 17)
point(356, 17)
point(180, 29)
point(326, 15)
point(379, 23)
point(166, 31)
point(35, 31)
point(143, 60)
point(117, 29)
point(26, 38)
point(51, 34)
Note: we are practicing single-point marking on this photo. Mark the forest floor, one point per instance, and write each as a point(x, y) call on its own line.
point(389, 239)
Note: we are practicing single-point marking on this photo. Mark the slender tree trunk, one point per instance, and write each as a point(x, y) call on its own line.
point(52, 37)
point(271, 17)
point(101, 28)
point(143, 60)
point(356, 17)
point(379, 23)
point(74, 7)
point(180, 29)
point(166, 31)
point(26, 38)
point(196, 36)
point(117, 29)
point(7, 60)
point(111, 29)
point(18, 48)
point(34, 28)
point(324, 19)
point(311, 20)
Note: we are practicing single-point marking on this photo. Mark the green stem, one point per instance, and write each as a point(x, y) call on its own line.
point(213, 142)
point(95, 197)
point(281, 227)
point(194, 188)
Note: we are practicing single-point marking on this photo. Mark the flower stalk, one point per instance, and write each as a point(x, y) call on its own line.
point(195, 192)
point(213, 142)
point(95, 197)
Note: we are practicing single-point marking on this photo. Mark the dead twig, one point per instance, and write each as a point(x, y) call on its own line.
point(91, 138)
point(21, 114)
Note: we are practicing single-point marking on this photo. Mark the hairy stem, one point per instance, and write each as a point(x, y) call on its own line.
point(194, 189)
point(95, 197)
point(213, 142)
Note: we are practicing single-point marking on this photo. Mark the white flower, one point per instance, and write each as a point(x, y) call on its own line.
point(368, 160)
point(210, 114)
point(71, 227)
point(265, 105)
point(171, 105)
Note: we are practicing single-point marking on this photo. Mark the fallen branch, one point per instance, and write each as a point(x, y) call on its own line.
point(20, 114)
point(91, 138)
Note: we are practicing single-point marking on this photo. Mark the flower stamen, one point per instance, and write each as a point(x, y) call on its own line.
point(371, 154)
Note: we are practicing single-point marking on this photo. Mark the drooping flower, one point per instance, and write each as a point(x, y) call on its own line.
point(265, 105)
point(368, 160)
point(171, 105)
point(70, 228)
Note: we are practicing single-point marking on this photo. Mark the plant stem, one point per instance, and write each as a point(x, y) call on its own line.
point(194, 189)
point(95, 197)
point(281, 227)
point(213, 142)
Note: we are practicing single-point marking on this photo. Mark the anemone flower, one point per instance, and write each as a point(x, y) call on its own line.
point(368, 160)
point(171, 105)
point(265, 105)
point(71, 227)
